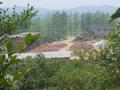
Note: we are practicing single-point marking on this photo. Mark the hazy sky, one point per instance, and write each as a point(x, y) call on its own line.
point(59, 4)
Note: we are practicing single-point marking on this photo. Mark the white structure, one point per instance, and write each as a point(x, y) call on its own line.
point(57, 54)
point(25, 55)
point(22, 35)
point(54, 54)
point(100, 44)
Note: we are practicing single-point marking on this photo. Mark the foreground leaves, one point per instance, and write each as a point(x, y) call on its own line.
point(21, 73)
point(115, 15)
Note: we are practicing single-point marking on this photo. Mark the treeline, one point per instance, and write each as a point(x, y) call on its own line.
point(60, 24)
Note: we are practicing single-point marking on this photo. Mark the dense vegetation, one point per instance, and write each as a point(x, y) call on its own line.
point(102, 73)
point(10, 24)
point(14, 22)
point(63, 75)
point(57, 74)
point(60, 24)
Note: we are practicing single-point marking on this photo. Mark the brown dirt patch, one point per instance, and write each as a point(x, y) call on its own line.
point(49, 47)
point(80, 45)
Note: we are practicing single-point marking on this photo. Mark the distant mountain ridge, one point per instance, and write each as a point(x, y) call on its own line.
point(93, 9)
point(82, 9)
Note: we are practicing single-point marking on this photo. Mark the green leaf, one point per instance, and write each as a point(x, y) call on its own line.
point(28, 39)
point(2, 58)
point(21, 48)
point(10, 46)
point(35, 38)
point(14, 60)
point(21, 73)
point(5, 69)
point(115, 15)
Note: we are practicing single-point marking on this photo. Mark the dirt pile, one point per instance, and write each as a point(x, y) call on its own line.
point(49, 47)
point(80, 46)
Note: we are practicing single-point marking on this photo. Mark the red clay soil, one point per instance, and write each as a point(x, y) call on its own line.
point(80, 45)
point(48, 48)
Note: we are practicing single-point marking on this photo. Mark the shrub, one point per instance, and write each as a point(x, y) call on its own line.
point(48, 74)
point(41, 74)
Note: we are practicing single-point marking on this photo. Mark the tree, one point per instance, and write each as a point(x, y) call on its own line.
point(70, 25)
point(64, 23)
point(76, 22)
point(59, 25)
point(12, 23)
point(83, 22)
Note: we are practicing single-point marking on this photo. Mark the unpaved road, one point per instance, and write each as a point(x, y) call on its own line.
point(69, 44)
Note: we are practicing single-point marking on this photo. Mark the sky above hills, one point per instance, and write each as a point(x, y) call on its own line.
point(59, 4)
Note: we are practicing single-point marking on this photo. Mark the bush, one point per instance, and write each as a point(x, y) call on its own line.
point(41, 75)
point(79, 75)
point(48, 74)
point(110, 59)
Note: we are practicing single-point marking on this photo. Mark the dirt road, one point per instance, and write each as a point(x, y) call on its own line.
point(69, 44)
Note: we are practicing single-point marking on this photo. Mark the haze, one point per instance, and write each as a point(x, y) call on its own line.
point(59, 4)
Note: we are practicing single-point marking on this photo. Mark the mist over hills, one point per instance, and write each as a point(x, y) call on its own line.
point(82, 9)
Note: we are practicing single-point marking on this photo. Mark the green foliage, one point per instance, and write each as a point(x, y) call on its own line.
point(21, 73)
point(57, 74)
point(11, 23)
point(29, 38)
point(21, 47)
point(9, 46)
point(2, 58)
point(58, 25)
point(48, 74)
point(42, 73)
point(94, 19)
point(7, 60)
point(110, 58)
point(115, 15)
point(34, 38)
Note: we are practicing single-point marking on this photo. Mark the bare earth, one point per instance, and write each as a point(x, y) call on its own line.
point(69, 43)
